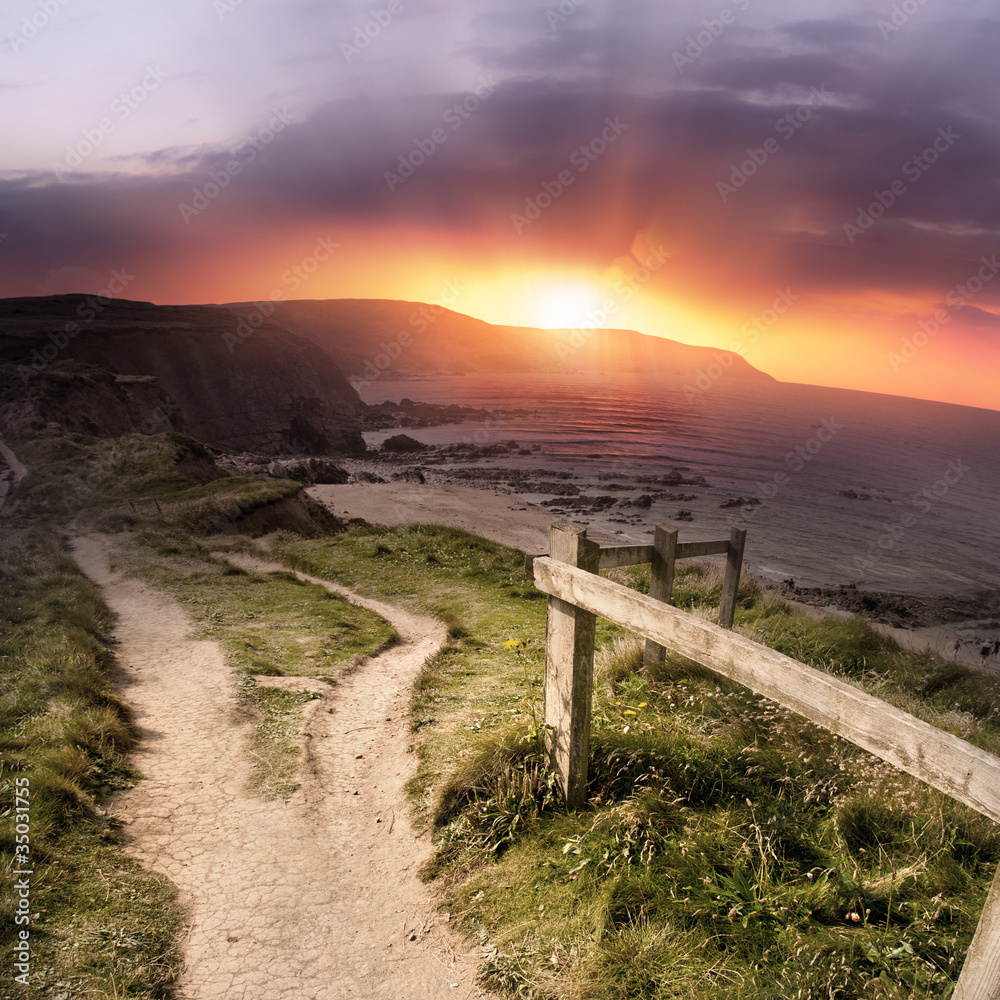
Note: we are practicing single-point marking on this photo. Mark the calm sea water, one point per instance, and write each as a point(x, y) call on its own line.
point(930, 470)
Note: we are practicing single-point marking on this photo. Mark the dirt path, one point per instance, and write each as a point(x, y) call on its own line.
point(312, 898)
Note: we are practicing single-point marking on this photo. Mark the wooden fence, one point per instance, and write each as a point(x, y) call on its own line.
point(577, 594)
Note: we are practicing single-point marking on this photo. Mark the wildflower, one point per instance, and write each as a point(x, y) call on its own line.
point(643, 704)
point(628, 711)
point(514, 644)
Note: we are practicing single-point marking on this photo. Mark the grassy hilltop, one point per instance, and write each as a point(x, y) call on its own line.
point(729, 849)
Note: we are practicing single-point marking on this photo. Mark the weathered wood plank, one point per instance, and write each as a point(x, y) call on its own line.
point(569, 667)
point(689, 550)
point(625, 555)
point(980, 978)
point(731, 583)
point(945, 762)
point(661, 583)
point(635, 555)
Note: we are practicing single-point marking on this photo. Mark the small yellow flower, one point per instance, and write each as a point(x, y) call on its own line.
point(628, 711)
point(643, 704)
point(513, 644)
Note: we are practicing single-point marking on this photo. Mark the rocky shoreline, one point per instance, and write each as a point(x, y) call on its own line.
point(909, 611)
point(612, 498)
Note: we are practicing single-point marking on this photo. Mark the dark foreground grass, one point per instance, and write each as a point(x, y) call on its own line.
point(729, 849)
point(100, 925)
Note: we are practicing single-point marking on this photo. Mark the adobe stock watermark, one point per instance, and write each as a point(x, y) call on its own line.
point(924, 501)
point(796, 460)
point(420, 320)
point(959, 296)
point(581, 158)
point(562, 12)
point(597, 318)
point(121, 109)
point(368, 31)
point(220, 178)
point(22, 873)
point(223, 8)
point(294, 277)
point(913, 169)
point(706, 377)
point(710, 31)
point(42, 17)
point(898, 18)
point(454, 118)
point(787, 127)
point(87, 311)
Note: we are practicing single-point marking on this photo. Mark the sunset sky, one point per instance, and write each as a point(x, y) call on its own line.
point(816, 186)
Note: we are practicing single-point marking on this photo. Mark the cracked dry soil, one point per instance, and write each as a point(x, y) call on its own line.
point(312, 898)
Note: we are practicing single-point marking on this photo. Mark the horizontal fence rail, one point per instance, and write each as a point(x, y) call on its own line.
point(945, 762)
point(636, 555)
point(577, 594)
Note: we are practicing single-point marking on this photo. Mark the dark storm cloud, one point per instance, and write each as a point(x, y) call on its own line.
point(881, 103)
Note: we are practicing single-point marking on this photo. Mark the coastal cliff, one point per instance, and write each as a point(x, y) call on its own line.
point(236, 382)
point(368, 337)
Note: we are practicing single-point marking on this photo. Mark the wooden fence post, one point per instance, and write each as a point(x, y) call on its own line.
point(661, 583)
point(731, 583)
point(569, 669)
point(980, 978)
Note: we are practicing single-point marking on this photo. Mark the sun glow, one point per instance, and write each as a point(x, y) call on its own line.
point(565, 305)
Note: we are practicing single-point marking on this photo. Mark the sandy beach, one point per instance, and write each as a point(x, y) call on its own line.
point(504, 518)
point(496, 516)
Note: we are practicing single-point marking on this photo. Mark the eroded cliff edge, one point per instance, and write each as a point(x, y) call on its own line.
point(122, 366)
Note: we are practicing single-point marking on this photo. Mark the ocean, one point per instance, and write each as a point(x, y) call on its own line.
point(884, 492)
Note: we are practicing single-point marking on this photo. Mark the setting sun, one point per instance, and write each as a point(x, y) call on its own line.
point(565, 305)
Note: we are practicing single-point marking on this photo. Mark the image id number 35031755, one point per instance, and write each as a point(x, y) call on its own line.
point(22, 878)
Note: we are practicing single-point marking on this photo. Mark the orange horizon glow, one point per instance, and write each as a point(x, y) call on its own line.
point(837, 340)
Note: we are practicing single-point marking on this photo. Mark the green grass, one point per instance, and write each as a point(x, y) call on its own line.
point(729, 849)
point(102, 925)
point(100, 918)
point(479, 590)
point(133, 482)
point(269, 625)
